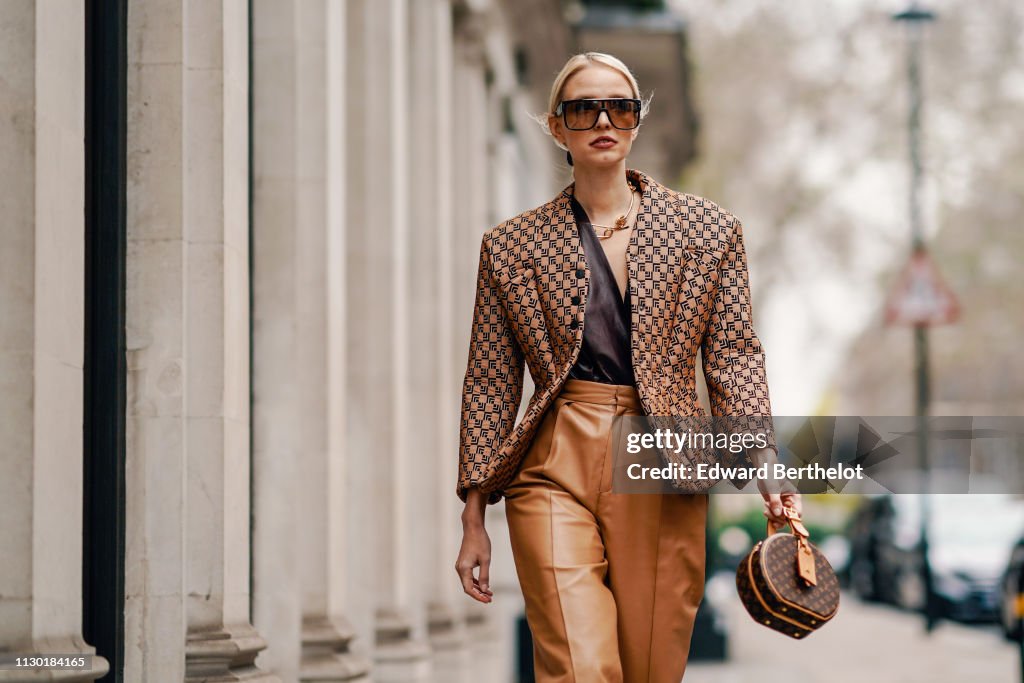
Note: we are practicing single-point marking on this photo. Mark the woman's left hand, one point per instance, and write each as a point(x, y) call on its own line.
point(776, 494)
point(774, 502)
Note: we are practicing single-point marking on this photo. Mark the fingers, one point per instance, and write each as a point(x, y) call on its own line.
point(794, 501)
point(777, 521)
point(479, 590)
point(485, 573)
point(774, 504)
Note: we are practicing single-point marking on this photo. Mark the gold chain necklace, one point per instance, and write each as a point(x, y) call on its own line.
point(620, 222)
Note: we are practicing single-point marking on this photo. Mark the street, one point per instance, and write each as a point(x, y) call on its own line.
point(864, 642)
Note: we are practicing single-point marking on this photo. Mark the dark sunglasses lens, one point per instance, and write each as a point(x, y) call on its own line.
point(583, 114)
point(623, 113)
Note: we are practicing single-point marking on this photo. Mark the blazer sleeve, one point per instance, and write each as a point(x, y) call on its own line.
point(734, 362)
point(493, 384)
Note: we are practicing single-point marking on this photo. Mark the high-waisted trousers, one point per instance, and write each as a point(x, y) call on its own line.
point(611, 581)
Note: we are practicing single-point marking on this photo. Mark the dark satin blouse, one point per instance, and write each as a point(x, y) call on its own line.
point(605, 352)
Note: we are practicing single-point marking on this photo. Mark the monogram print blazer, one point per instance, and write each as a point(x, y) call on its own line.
point(689, 288)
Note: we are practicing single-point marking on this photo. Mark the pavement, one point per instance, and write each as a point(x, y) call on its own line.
point(864, 643)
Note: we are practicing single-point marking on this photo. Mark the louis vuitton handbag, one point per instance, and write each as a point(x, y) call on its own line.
point(786, 583)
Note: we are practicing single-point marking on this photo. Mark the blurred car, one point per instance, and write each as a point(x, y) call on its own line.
point(969, 542)
point(1011, 590)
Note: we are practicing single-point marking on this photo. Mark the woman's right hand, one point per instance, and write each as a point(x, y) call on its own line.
point(475, 551)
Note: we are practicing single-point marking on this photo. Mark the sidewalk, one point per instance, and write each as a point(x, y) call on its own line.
point(863, 644)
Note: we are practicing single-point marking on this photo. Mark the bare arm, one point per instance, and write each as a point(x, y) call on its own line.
point(476, 548)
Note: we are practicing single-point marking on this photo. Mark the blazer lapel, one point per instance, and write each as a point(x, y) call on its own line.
point(648, 256)
point(562, 275)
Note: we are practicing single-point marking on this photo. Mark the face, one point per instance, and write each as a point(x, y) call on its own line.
point(604, 144)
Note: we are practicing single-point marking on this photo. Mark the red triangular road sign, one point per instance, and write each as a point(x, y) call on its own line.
point(920, 296)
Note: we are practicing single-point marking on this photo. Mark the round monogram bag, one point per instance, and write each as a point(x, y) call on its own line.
point(786, 583)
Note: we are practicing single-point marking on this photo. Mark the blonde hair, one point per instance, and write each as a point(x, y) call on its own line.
point(577, 63)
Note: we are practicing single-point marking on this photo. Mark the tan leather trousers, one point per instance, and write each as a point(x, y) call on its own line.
point(611, 580)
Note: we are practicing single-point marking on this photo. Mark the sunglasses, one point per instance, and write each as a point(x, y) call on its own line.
point(623, 113)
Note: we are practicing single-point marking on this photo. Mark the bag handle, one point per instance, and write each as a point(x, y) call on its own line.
point(804, 556)
point(792, 519)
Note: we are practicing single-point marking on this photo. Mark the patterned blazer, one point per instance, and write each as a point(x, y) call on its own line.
point(688, 284)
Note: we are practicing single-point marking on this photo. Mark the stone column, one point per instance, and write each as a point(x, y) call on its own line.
point(277, 604)
point(329, 637)
point(378, 372)
point(433, 126)
point(469, 189)
point(41, 331)
point(188, 341)
point(360, 524)
point(220, 640)
point(300, 545)
point(434, 418)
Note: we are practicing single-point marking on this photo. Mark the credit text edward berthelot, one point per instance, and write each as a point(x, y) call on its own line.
point(667, 439)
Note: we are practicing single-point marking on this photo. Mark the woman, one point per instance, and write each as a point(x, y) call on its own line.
point(606, 292)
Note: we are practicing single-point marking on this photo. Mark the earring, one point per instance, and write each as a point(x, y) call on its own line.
point(568, 157)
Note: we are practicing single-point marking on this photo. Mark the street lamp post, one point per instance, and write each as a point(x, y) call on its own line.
point(914, 18)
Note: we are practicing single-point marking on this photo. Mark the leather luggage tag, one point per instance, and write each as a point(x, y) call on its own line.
point(799, 527)
point(805, 563)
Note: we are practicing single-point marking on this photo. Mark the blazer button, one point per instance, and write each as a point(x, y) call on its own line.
point(580, 272)
point(574, 324)
point(575, 300)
